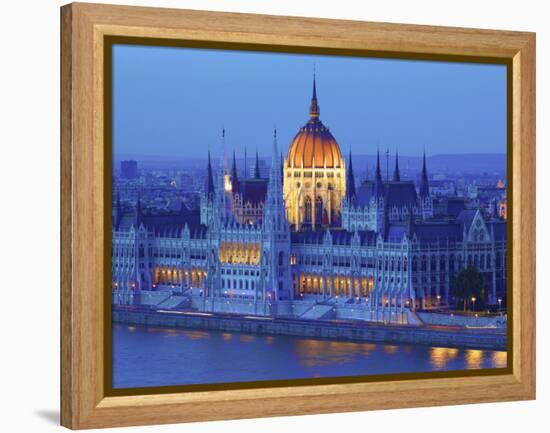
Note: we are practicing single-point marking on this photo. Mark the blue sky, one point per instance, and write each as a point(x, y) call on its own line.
point(173, 102)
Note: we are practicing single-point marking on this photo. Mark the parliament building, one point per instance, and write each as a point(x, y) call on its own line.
point(306, 241)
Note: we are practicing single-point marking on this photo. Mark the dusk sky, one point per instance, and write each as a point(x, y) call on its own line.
point(174, 102)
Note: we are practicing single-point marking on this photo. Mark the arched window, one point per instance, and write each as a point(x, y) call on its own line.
point(307, 209)
point(281, 258)
point(319, 211)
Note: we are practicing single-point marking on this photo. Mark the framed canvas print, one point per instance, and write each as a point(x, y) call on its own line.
point(270, 216)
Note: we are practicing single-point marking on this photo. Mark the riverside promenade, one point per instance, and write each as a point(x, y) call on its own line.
point(443, 336)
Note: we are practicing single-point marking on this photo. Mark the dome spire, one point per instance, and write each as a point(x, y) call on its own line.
point(396, 173)
point(424, 183)
point(314, 107)
point(234, 175)
point(378, 186)
point(209, 179)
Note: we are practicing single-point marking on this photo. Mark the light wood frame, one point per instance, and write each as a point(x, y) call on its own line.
point(83, 401)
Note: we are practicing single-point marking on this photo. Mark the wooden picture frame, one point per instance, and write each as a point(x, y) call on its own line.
point(84, 27)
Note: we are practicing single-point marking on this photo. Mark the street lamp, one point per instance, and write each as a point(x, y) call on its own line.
point(438, 300)
point(499, 305)
point(473, 303)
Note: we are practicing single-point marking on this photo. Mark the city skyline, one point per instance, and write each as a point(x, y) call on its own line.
point(166, 114)
point(309, 246)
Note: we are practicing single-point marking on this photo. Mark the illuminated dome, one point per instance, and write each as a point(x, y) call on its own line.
point(314, 175)
point(314, 145)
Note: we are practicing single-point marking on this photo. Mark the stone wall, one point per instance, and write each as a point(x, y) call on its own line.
point(429, 318)
point(481, 339)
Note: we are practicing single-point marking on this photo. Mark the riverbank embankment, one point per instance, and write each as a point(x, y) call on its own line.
point(492, 339)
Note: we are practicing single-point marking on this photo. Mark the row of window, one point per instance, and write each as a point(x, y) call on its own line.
point(309, 174)
point(238, 284)
point(245, 272)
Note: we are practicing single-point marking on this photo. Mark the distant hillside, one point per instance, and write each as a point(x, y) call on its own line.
point(444, 162)
point(480, 162)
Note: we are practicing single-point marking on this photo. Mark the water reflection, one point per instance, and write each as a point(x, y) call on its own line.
point(216, 357)
point(195, 335)
point(170, 333)
point(390, 349)
point(246, 338)
point(367, 348)
point(315, 353)
point(500, 359)
point(440, 357)
point(474, 358)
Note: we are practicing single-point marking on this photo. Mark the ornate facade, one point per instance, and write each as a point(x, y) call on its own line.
point(306, 241)
point(314, 175)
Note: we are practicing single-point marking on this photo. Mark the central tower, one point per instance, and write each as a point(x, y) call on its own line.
point(314, 175)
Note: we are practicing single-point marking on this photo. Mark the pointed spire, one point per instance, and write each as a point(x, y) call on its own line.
point(378, 188)
point(234, 175)
point(350, 181)
point(378, 172)
point(396, 174)
point(209, 179)
point(275, 150)
point(223, 161)
point(257, 167)
point(314, 106)
point(424, 184)
point(274, 212)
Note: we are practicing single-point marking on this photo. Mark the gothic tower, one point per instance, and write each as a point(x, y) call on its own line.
point(276, 235)
point(377, 201)
point(426, 202)
point(207, 198)
point(396, 173)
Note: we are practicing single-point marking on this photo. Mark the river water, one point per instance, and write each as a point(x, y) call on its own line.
point(148, 356)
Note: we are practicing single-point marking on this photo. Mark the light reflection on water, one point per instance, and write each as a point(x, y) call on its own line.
point(321, 352)
point(474, 358)
point(440, 356)
point(500, 359)
point(154, 356)
point(195, 335)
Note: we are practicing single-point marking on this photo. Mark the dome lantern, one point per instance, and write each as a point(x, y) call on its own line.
point(314, 145)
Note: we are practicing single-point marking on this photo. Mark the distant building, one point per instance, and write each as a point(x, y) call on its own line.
point(259, 169)
point(129, 170)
